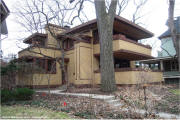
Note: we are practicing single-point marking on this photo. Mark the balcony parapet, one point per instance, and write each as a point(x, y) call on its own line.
point(123, 37)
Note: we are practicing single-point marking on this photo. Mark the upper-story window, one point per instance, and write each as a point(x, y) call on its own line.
point(68, 44)
point(36, 39)
point(38, 42)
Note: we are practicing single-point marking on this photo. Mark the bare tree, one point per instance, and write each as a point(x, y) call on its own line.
point(34, 15)
point(122, 4)
point(31, 14)
point(105, 21)
point(174, 35)
point(138, 9)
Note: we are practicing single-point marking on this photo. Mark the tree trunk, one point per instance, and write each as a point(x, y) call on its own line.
point(105, 30)
point(175, 37)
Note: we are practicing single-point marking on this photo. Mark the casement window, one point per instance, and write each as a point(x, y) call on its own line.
point(45, 65)
point(51, 66)
point(120, 63)
point(170, 65)
point(68, 44)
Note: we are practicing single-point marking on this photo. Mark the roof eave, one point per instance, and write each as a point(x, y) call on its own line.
point(34, 35)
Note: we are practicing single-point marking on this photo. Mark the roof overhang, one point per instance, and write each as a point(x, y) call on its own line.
point(35, 36)
point(129, 55)
point(121, 25)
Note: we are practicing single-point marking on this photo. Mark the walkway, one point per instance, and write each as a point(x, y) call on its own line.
point(109, 99)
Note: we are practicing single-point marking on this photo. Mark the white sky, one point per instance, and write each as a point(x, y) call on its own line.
point(154, 21)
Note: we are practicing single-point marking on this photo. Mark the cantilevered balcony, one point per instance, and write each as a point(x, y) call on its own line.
point(127, 49)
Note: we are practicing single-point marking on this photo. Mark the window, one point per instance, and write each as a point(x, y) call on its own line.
point(120, 63)
point(170, 65)
point(45, 65)
point(38, 42)
point(68, 44)
point(51, 66)
point(174, 64)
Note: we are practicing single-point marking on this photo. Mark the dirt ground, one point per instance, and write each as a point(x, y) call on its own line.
point(160, 97)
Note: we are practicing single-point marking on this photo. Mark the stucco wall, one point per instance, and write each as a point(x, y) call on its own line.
point(83, 63)
point(125, 45)
point(45, 51)
point(133, 77)
point(51, 42)
point(70, 66)
point(40, 79)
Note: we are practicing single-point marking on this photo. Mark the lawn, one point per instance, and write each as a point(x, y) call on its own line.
point(30, 112)
point(175, 91)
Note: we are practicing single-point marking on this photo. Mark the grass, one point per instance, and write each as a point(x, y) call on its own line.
point(30, 112)
point(175, 91)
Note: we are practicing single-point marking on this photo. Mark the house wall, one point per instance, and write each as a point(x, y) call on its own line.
point(44, 51)
point(167, 44)
point(133, 77)
point(70, 66)
point(125, 45)
point(40, 79)
point(51, 42)
point(83, 63)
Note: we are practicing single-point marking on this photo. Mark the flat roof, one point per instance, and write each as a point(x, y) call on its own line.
point(120, 24)
point(35, 35)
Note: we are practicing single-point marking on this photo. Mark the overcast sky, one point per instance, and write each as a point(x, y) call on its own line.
point(154, 21)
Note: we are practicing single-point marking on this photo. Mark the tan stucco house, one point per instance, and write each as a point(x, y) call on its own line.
point(82, 54)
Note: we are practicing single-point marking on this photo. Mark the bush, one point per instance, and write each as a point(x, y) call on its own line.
point(7, 95)
point(16, 94)
point(23, 93)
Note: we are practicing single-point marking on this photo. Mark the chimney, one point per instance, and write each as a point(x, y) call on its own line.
point(66, 27)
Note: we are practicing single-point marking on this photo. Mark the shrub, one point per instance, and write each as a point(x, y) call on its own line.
point(16, 94)
point(23, 93)
point(6, 95)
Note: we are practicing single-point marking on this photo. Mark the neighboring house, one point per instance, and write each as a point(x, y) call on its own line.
point(82, 55)
point(166, 59)
point(4, 12)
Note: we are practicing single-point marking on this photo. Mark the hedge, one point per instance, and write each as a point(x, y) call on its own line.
point(16, 94)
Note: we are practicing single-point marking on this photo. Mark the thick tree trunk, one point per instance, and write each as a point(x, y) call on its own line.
point(105, 29)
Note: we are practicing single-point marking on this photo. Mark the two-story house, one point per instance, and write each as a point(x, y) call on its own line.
point(167, 59)
point(82, 55)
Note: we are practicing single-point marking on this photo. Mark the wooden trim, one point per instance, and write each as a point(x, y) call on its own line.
point(129, 69)
point(33, 36)
point(72, 48)
point(46, 64)
point(132, 52)
point(84, 41)
point(126, 51)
